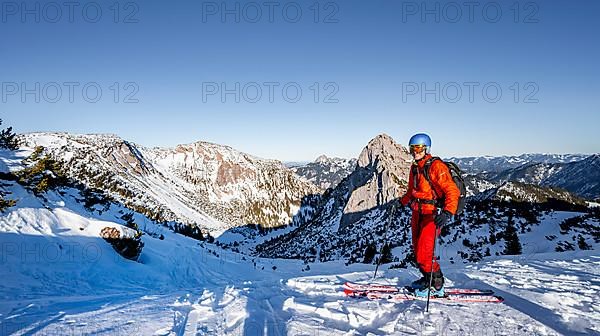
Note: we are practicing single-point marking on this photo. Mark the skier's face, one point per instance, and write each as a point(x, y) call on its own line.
point(418, 151)
point(418, 156)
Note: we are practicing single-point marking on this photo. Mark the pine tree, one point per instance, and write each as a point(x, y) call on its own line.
point(43, 173)
point(513, 244)
point(583, 245)
point(487, 252)
point(8, 139)
point(386, 254)
point(4, 203)
point(369, 253)
point(130, 223)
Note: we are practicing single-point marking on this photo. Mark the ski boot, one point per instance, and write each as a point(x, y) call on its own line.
point(420, 283)
point(437, 286)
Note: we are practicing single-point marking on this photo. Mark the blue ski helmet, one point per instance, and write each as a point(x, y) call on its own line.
point(420, 139)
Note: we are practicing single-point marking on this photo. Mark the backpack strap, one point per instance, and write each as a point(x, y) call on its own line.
point(426, 168)
point(415, 175)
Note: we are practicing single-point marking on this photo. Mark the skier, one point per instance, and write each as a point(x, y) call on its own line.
point(433, 200)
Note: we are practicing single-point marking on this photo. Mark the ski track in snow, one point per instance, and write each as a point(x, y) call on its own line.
point(279, 303)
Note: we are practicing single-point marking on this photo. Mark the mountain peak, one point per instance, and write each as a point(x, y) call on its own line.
point(322, 159)
point(382, 148)
point(380, 139)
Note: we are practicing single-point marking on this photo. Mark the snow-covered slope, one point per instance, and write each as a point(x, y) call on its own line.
point(528, 193)
point(67, 281)
point(205, 183)
point(476, 184)
point(182, 288)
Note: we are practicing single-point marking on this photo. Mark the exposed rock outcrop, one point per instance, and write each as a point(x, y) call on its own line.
point(380, 177)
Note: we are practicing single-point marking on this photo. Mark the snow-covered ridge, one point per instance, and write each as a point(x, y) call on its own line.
point(528, 193)
point(576, 173)
point(213, 186)
point(481, 164)
point(579, 177)
point(325, 172)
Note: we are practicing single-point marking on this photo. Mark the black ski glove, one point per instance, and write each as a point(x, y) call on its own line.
point(442, 219)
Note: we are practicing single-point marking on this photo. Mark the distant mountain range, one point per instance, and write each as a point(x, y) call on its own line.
point(582, 178)
point(218, 187)
point(325, 172)
point(579, 177)
point(495, 164)
point(202, 183)
point(577, 173)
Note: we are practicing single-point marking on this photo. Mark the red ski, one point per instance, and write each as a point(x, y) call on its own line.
point(407, 296)
point(393, 289)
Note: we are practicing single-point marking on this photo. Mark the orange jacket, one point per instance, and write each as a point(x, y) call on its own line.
point(441, 181)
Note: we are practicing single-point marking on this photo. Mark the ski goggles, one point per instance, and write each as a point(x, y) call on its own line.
point(417, 149)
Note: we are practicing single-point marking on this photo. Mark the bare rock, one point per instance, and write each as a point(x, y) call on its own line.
point(110, 233)
point(382, 171)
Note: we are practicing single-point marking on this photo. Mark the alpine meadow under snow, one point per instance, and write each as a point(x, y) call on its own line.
point(102, 236)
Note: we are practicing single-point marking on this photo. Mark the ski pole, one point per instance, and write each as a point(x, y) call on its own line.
point(433, 259)
point(385, 231)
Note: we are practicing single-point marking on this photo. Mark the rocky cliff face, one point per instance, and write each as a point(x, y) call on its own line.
point(360, 202)
point(380, 176)
point(213, 186)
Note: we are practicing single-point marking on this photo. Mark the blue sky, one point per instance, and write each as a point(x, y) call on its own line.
point(371, 61)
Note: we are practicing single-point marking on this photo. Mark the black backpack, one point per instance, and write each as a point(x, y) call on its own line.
point(456, 177)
